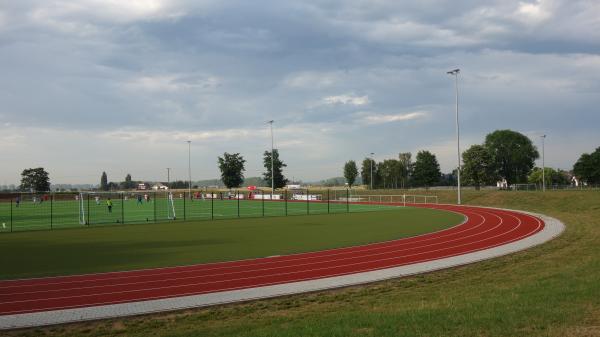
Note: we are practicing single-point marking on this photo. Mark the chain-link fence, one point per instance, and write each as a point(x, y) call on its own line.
point(42, 211)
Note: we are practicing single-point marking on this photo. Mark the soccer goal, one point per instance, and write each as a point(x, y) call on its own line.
point(171, 207)
point(82, 218)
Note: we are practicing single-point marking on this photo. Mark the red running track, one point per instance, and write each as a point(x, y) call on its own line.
point(484, 228)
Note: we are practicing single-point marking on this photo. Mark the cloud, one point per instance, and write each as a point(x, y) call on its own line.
point(313, 79)
point(381, 119)
point(346, 100)
point(171, 83)
point(534, 13)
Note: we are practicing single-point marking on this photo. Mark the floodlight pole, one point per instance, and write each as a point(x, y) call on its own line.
point(272, 155)
point(455, 73)
point(190, 168)
point(372, 153)
point(168, 176)
point(543, 164)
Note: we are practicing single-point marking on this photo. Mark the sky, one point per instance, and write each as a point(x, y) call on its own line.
point(120, 86)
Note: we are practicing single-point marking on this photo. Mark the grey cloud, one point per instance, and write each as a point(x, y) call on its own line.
point(209, 67)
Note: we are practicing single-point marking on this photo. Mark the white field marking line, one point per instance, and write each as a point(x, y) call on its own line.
point(330, 253)
point(265, 269)
point(298, 280)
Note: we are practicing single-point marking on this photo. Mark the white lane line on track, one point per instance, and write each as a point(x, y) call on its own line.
point(304, 279)
point(277, 274)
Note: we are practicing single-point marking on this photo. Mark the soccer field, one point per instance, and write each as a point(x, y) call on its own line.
point(111, 248)
point(73, 213)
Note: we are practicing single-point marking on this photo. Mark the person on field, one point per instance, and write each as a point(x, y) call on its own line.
point(146, 197)
point(97, 198)
point(109, 204)
point(139, 199)
point(18, 200)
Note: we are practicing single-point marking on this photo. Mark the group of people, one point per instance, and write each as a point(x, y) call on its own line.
point(35, 199)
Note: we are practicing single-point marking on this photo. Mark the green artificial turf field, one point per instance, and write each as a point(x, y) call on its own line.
point(110, 248)
point(66, 213)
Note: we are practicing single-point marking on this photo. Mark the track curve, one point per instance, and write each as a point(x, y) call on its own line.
point(484, 228)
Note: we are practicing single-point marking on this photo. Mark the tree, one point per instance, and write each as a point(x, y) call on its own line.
point(280, 180)
point(478, 167)
point(426, 169)
point(232, 168)
point(512, 153)
point(365, 172)
point(104, 182)
point(178, 184)
point(551, 176)
point(587, 167)
point(389, 171)
point(350, 172)
point(128, 183)
point(406, 167)
point(35, 180)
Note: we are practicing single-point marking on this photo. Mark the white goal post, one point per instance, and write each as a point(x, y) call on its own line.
point(82, 218)
point(171, 207)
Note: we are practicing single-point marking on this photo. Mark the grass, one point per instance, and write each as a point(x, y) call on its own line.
point(97, 249)
point(550, 290)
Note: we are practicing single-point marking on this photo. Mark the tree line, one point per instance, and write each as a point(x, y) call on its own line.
point(504, 154)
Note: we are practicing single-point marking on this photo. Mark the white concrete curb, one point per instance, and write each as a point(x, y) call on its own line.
point(552, 229)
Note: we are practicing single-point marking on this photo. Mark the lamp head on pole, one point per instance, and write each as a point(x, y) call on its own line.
point(453, 72)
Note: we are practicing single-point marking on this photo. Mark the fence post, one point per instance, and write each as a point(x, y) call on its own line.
point(347, 201)
point(307, 206)
point(88, 209)
point(327, 201)
point(184, 214)
point(238, 202)
point(123, 208)
point(11, 215)
point(51, 209)
point(286, 199)
point(262, 196)
point(154, 205)
point(212, 206)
